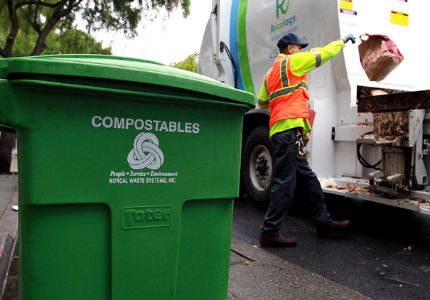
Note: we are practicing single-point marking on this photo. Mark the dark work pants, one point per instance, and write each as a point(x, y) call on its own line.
point(290, 171)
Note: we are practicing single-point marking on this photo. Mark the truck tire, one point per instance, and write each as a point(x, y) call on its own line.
point(257, 167)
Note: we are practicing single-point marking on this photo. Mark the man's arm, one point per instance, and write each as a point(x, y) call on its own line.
point(306, 61)
point(263, 98)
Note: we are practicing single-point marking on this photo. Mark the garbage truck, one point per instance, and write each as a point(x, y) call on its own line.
point(370, 140)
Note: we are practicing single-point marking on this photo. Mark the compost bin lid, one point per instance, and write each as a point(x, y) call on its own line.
point(124, 69)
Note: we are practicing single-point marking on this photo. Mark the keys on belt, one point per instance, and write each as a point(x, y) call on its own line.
point(301, 153)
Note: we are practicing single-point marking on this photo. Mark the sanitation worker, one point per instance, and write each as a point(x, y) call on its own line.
point(285, 92)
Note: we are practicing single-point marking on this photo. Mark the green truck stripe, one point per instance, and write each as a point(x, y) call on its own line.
point(243, 49)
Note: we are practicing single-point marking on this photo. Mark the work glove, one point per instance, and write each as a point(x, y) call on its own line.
point(349, 37)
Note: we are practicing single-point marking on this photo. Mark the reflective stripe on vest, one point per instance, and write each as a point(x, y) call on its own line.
point(287, 90)
point(284, 76)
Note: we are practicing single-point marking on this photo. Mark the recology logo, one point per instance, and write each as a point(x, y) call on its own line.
point(282, 7)
point(283, 23)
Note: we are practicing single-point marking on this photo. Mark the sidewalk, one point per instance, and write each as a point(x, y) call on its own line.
point(258, 275)
point(255, 274)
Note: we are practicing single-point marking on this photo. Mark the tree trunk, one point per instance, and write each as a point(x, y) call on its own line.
point(7, 141)
point(10, 40)
point(50, 24)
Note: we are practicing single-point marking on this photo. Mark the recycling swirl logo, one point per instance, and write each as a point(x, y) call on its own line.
point(146, 152)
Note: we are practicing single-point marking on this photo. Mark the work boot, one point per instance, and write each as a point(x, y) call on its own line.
point(325, 229)
point(277, 240)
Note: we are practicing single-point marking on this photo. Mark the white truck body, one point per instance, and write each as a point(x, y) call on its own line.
point(250, 30)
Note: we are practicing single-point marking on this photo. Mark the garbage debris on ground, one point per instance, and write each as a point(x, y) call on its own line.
point(349, 187)
point(415, 201)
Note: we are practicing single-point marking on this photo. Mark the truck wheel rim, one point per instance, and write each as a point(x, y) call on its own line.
point(260, 168)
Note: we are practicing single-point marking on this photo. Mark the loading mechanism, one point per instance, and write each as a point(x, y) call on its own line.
point(401, 129)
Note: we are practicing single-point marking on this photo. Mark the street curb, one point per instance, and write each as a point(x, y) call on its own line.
point(7, 244)
point(8, 237)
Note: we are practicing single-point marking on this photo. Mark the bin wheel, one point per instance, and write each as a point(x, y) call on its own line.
point(257, 168)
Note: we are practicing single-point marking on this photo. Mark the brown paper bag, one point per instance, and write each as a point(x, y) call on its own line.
point(378, 55)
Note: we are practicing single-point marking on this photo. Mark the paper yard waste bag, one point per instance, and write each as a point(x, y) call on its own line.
point(379, 55)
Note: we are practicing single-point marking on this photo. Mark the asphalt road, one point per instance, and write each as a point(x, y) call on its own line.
point(385, 255)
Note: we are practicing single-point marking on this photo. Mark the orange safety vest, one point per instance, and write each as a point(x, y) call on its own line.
point(288, 93)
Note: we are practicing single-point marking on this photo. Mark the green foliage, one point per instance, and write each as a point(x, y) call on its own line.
point(125, 14)
point(74, 41)
point(189, 63)
point(68, 41)
point(28, 27)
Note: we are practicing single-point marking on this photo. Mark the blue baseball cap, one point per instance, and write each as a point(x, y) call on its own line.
point(290, 39)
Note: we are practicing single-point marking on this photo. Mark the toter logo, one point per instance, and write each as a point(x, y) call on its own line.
point(282, 7)
point(146, 216)
point(146, 152)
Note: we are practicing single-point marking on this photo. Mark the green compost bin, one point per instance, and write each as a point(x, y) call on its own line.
point(127, 171)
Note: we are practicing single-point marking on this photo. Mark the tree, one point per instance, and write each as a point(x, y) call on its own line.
point(43, 16)
point(189, 63)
